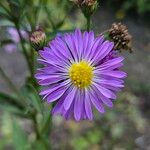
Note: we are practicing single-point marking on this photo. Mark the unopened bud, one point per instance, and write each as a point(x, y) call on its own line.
point(38, 39)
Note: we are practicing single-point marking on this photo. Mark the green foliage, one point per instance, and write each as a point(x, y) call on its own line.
point(11, 104)
point(140, 6)
point(33, 99)
point(20, 141)
point(81, 143)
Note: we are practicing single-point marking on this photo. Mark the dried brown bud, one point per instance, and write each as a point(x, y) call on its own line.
point(87, 6)
point(84, 2)
point(89, 2)
point(38, 39)
point(119, 34)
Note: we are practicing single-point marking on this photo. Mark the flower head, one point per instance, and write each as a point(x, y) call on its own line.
point(15, 39)
point(84, 2)
point(38, 39)
point(79, 72)
point(121, 37)
point(14, 34)
point(87, 6)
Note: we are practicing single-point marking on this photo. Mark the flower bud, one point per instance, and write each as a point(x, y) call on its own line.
point(38, 39)
point(119, 34)
point(87, 6)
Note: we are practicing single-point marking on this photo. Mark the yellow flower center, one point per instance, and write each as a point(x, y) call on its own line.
point(81, 74)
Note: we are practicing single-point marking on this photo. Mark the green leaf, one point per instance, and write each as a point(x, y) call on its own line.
point(6, 16)
point(46, 123)
point(13, 110)
point(59, 24)
point(81, 143)
point(33, 97)
point(39, 145)
point(5, 42)
point(3, 143)
point(94, 136)
point(20, 140)
point(6, 23)
point(10, 100)
point(11, 105)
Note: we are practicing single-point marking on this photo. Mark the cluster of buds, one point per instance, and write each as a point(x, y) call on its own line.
point(38, 39)
point(119, 34)
point(87, 6)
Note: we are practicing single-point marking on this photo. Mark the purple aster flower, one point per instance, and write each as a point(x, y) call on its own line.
point(79, 72)
point(13, 35)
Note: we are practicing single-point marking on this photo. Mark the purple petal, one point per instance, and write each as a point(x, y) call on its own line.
point(104, 99)
point(53, 88)
point(69, 99)
point(41, 76)
point(111, 64)
point(79, 39)
point(116, 74)
point(96, 102)
point(69, 112)
point(63, 49)
point(71, 46)
point(88, 108)
point(90, 44)
point(50, 80)
point(114, 83)
point(107, 93)
point(10, 48)
point(14, 34)
point(58, 107)
point(78, 106)
point(112, 88)
point(51, 67)
point(56, 94)
point(104, 50)
point(59, 56)
point(46, 49)
point(98, 41)
point(85, 43)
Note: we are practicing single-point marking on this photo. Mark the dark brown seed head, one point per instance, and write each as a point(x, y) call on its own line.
point(88, 7)
point(119, 34)
point(84, 2)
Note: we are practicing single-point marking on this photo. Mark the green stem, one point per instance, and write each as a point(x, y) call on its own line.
point(24, 51)
point(36, 127)
point(39, 135)
point(47, 127)
point(88, 23)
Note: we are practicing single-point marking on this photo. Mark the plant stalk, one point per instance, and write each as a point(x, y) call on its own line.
point(88, 23)
point(24, 51)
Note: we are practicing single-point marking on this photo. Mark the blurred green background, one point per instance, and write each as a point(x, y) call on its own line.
point(127, 125)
